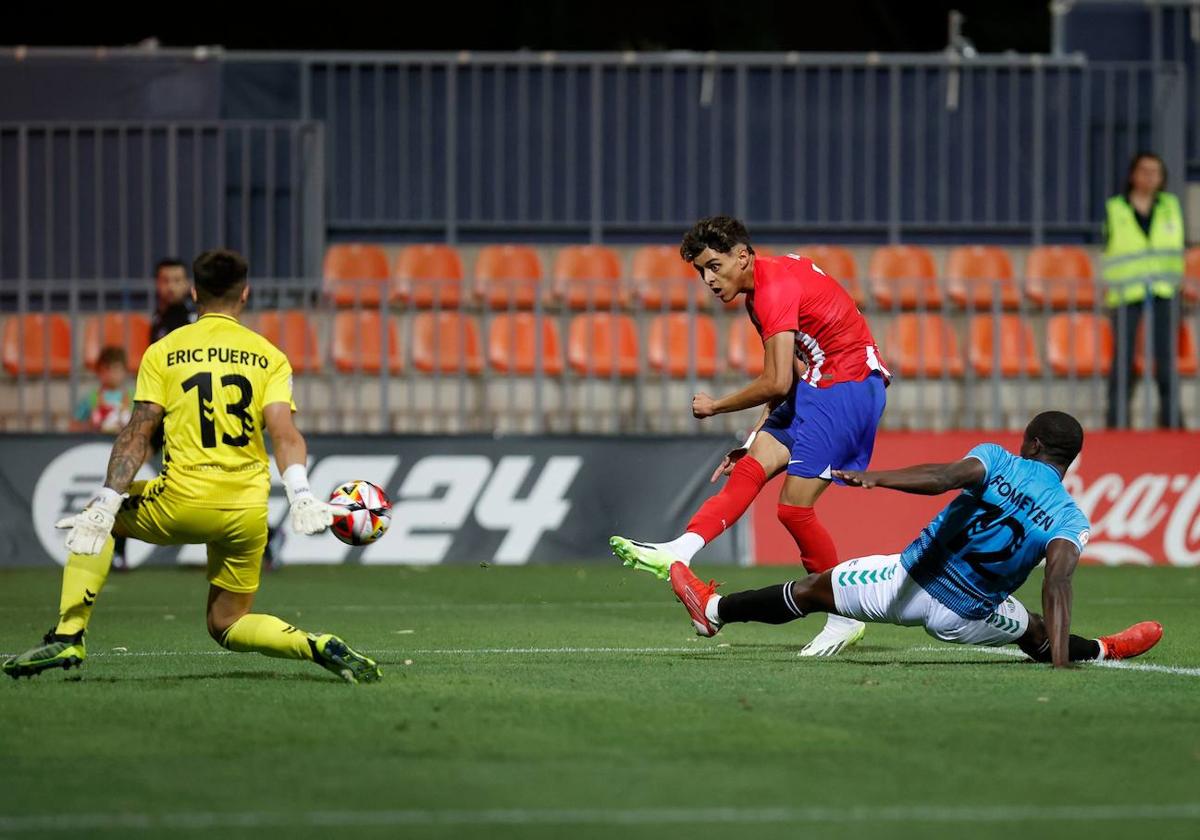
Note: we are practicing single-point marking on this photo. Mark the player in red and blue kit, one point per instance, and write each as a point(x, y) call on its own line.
point(822, 389)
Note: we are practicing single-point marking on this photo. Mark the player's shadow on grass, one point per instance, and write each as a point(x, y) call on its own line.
point(260, 676)
point(924, 662)
point(791, 653)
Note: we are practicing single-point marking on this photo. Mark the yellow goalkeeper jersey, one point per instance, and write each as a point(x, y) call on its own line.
point(213, 378)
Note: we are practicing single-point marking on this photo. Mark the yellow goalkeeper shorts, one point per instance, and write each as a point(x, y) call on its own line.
point(235, 538)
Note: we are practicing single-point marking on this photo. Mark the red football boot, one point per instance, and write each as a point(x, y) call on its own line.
point(1132, 641)
point(694, 595)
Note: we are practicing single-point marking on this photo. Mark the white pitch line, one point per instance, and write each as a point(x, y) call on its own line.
point(1147, 667)
point(435, 607)
point(1117, 665)
point(554, 651)
point(915, 813)
point(566, 650)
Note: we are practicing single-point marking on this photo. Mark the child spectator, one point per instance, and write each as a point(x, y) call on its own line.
point(107, 409)
point(108, 406)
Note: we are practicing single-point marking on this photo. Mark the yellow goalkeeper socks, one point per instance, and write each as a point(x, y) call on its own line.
point(268, 635)
point(83, 578)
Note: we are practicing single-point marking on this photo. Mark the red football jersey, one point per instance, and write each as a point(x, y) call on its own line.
point(832, 337)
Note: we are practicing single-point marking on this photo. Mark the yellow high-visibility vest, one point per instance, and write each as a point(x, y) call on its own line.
point(1133, 260)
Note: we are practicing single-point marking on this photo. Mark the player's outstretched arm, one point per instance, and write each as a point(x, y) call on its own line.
point(773, 383)
point(309, 514)
point(1061, 558)
point(922, 479)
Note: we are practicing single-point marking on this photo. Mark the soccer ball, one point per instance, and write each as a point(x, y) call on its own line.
point(369, 516)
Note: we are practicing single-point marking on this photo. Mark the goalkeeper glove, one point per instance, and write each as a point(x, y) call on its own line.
point(91, 528)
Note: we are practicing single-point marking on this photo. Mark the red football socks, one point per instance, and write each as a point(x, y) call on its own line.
point(723, 509)
point(817, 551)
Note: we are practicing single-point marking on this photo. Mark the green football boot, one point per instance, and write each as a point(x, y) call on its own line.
point(55, 651)
point(645, 556)
point(332, 654)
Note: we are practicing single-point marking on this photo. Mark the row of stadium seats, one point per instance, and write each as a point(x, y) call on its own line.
point(590, 277)
point(598, 344)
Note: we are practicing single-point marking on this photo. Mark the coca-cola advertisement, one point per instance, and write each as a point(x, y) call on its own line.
point(1141, 491)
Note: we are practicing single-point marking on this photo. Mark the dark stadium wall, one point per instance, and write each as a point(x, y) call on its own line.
point(850, 25)
point(67, 90)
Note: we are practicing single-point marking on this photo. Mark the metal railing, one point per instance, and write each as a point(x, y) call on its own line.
point(592, 146)
point(611, 145)
point(467, 366)
point(109, 199)
point(1173, 32)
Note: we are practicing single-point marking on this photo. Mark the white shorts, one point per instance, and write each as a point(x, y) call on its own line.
point(878, 589)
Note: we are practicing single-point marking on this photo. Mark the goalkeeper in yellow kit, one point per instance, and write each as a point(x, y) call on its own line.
point(213, 385)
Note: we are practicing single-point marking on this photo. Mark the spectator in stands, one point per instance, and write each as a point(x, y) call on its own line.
point(173, 308)
point(173, 300)
point(1143, 269)
point(107, 407)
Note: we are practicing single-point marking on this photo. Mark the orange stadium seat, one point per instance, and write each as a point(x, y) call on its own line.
point(1081, 343)
point(904, 275)
point(355, 274)
point(670, 343)
point(37, 345)
point(293, 333)
point(588, 277)
point(358, 343)
point(428, 277)
point(1060, 275)
point(662, 280)
point(838, 263)
point(512, 344)
point(1018, 352)
point(1191, 276)
point(1185, 351)
point(446, 342)
point(744, 348)
point(508, 276)
point(130, 330)
point(923, 345)
point(977, 273)
point(600, 344)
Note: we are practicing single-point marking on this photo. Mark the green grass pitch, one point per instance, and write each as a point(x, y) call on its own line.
point(576, 702)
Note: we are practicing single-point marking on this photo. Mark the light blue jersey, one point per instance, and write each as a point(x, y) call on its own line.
point(984, 544)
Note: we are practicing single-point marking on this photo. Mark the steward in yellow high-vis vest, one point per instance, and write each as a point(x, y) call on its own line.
point(1134, 258)
point(1143, 270)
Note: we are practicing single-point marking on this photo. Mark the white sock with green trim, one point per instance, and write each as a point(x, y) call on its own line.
point(684, 547)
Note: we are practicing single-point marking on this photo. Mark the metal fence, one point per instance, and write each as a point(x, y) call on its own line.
point(611, 364)
point(610, 145)
point(592, 146)
point(1171, 34)
point(110, 199)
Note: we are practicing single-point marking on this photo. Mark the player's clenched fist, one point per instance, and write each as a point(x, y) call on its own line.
point(702, 405)
point(91, 528)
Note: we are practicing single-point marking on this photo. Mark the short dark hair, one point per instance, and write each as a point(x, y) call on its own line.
point(1060, 434)
point(219, 275)
point(169, 262)
point(1138, 158)
point(111, 354)
point(721, 233)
